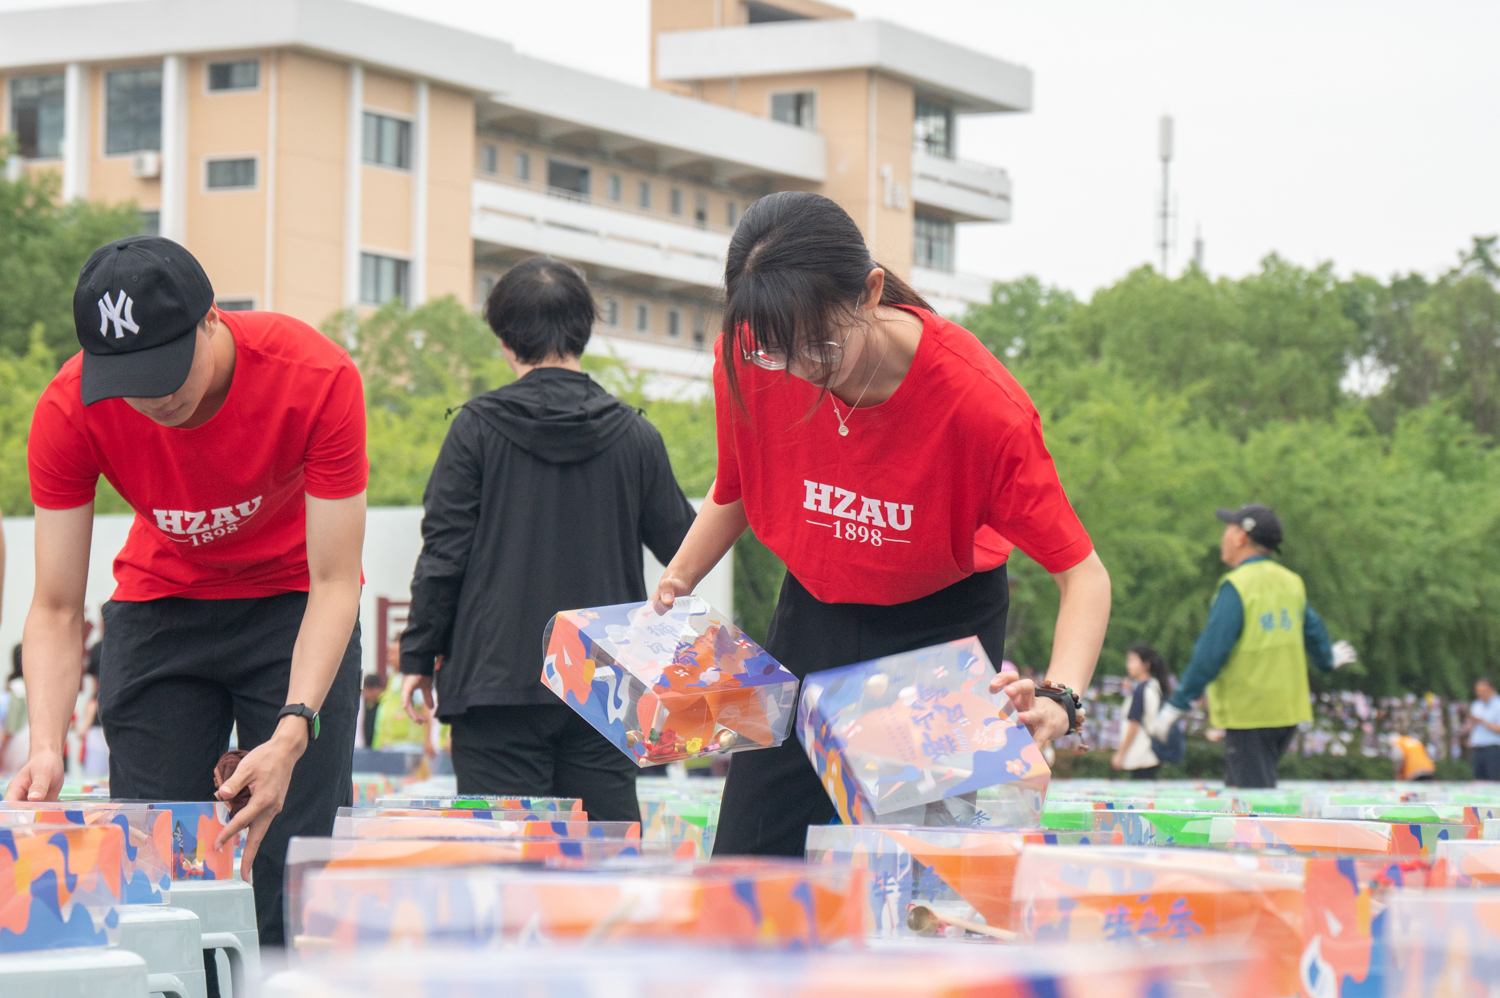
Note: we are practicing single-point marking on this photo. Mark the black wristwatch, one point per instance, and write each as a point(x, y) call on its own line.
point(1069, 700)
point(305, 712)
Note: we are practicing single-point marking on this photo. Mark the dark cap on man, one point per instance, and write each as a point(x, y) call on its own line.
point(1258, 521)
point(136, 312)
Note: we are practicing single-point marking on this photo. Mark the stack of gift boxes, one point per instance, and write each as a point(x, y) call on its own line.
point(956, 867)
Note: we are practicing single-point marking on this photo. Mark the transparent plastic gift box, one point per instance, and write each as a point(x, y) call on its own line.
point(194, 827)
point(916, 970)
point(1330, 836)
point(60, 885)
point(1491, 830)
point(465, 828)
point(1467, 863)
point(306, 856)
point(893, 735)
point(687, 826)
point(1153, 827)
point(1318, 918)
point(1471, 816)
point(148, 856)
point(461, 813)
point(668, 687)
point(755, 902)
point(1443, 943)
point(955, 873)
point(572, 804)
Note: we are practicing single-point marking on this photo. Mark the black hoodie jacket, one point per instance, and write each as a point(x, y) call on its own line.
point(540, 500)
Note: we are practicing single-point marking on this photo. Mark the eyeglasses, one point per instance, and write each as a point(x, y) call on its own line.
point(824, 354)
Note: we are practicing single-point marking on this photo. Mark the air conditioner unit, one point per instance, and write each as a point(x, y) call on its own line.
point(145, 164)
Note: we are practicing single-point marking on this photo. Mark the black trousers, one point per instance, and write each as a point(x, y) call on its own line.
point(1486, 762)
point(1148, 773)
point(773, 795)
point(543, 750)
point(1251, 754)
point(178, 674)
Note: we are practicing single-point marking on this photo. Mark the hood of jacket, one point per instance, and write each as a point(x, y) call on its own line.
point(556, 415)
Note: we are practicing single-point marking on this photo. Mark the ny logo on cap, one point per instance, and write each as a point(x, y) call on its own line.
point(118, 312)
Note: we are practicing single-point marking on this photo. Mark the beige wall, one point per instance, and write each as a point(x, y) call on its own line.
point(311, 112)
point(226, 229)
point(388, 93)
point(844, 106)
point(717, 199)
point(450, 151)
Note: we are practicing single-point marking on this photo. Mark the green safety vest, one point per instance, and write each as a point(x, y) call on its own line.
point(1264, 683)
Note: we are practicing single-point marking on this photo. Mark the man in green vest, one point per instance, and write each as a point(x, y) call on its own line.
point(1253, 654)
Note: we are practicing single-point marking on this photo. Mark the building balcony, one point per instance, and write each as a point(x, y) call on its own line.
point(951, 294)
point(961, 191)
point(540, 219)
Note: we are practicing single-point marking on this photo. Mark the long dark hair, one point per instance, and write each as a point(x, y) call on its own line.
point(795, 273)
point(1160, 670)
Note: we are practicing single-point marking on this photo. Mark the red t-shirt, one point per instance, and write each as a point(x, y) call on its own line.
point(935, 483)
point(219, 508)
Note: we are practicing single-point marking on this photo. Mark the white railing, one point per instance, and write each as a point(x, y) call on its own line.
point(971, 191)
point(544, 220)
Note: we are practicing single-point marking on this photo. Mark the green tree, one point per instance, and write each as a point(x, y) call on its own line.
point(43, 246)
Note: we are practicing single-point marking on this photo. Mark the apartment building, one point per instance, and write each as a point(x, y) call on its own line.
point(322, 154)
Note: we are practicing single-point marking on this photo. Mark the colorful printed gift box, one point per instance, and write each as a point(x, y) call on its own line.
point(570, 804)
point(962, 873)
point(465, 828)
point(1152, 828)
point(147, 859)
point(1330, 836)
point(1468, 863)
point(743, 902)
point(59, 885)
point(1443, 944)
point(1318, 917)
point(687, 826)
point(1491, 830)
point(195, 826)
point(909, 729)
point(460, 813)
point(1471, 816)
point(668, 687)
point(916, 970)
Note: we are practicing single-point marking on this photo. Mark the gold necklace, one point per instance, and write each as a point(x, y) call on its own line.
point(843, 426)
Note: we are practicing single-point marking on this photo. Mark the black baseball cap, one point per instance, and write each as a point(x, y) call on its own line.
point(137, 305)
point(1258, 521)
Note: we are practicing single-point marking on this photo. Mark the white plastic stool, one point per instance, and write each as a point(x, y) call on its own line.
point(169, 939)
point(227, 911)
point(73, 973)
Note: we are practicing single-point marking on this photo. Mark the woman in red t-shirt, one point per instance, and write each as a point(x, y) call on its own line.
point(891, 462)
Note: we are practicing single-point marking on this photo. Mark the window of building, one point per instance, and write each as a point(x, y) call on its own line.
point(568, 177)
point(387, 141)
point(611, 311)
point(700, 211)
point(489, 158)
point(758, 12)
point(643, 194)
point(932, 129)
point(236, 304)
point(642, 317)
point(700, 326)
point(616, 188)
point(523, 166)
point(676, 201)
point(150, 223)
point(484, 286)
point(383, 278)
point(243, 74)
point(800, 108)
point(933, 243)
point(674, 324)
point(36, 115)
point(230, 174)
point(732, 214)
point(132, 111)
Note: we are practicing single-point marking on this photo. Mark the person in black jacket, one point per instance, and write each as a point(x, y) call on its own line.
point(540, 500)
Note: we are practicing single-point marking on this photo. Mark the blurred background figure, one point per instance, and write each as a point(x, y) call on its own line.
point(369, 709)
point(1137, 753)
point(392, 726)
point(1484, 730)
point(15, 740)
point(1410, 757)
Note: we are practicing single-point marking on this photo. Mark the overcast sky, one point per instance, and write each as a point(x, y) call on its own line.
point(1366, 132)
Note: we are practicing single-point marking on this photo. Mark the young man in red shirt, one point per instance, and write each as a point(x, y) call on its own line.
point(239, 440)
